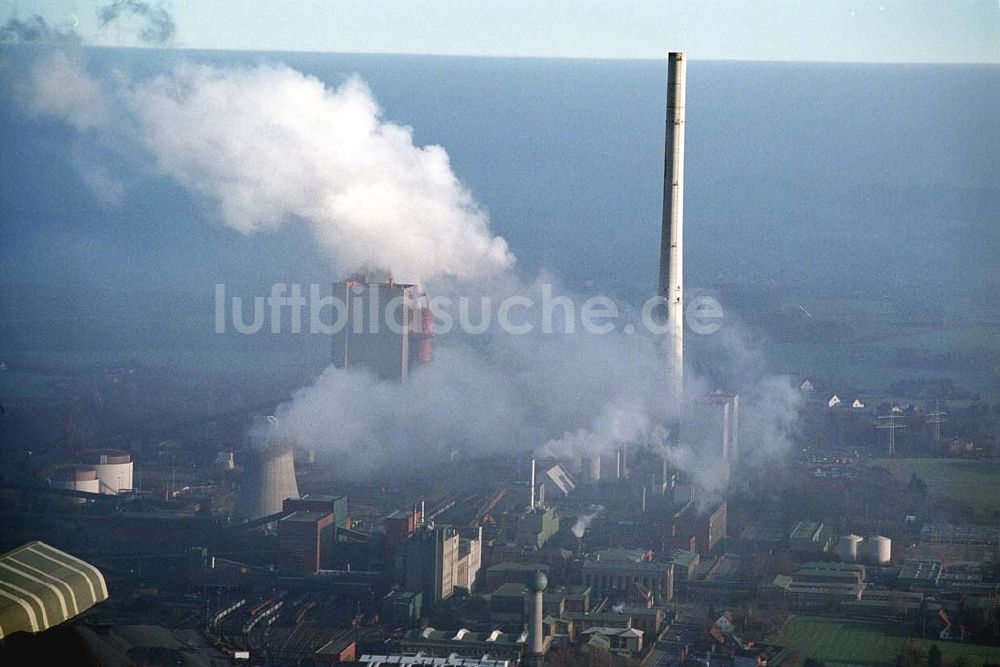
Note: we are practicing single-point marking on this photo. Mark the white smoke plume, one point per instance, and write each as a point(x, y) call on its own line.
point(583, 521)
point(155, 24)
point(500, 394)
point(268, 145)
point(61, 87)
point(36, 29)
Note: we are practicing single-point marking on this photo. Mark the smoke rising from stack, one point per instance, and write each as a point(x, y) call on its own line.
point(267, 146)
point(583, 521)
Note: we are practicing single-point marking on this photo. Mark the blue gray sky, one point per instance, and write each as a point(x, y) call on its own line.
point(924, 31)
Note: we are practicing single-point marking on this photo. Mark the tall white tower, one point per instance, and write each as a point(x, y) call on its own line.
point(536, 630)
point(671, 287)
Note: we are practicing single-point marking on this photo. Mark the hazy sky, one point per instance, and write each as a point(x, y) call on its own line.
point(947, 31)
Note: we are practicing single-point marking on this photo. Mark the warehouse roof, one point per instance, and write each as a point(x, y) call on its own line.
point(41, 586)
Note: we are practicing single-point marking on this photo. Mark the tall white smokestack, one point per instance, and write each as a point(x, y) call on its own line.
point(532, 484)
point(672, 232)
point(665, 475)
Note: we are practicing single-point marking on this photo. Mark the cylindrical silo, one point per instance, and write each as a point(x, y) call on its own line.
point(880, 549)
point(114, 469)
point(76, 478)
point(848, 547)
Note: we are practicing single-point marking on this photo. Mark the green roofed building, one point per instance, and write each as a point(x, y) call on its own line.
point(41, 586)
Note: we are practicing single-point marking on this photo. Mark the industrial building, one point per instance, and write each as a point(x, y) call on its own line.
point(685, 564)
point(556, 481)
point(623, 641)
point(304, 539)
point(389, 326)
point(533, 529)
point(463, 643)
point(421, 660)
point(401, 608)
point(694, 528)
point(437, 560)
point(612, 572)
point(810, 538)
point(336, 506)
point(510, 572)
point(509, 602)
point(399, 526)
point(817, 585)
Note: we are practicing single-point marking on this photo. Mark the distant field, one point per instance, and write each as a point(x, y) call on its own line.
point(843, 642)
point(974, 482)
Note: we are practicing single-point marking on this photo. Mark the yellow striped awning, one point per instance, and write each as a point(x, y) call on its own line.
point(41, 586)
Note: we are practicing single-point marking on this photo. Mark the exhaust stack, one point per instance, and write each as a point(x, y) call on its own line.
point(532, 504)
point(671, 287)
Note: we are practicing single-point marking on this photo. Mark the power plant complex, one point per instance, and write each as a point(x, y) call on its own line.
point(674, 547)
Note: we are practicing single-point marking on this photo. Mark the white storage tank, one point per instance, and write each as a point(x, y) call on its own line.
point(114, 469)
point(76, 478)
point(880, 550)
point(848, 547)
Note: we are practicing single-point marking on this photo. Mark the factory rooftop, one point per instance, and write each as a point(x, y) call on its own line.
point(621, 555)
point(305, 516)
point(465, 636)
point(450, 661)
point(948, 533)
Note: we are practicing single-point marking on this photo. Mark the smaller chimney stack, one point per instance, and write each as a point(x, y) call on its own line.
point(532, 505)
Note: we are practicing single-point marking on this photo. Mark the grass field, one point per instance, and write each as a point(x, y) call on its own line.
point(974, 482)
point(844, 642)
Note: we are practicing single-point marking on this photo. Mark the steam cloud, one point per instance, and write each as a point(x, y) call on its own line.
point(157, 25)
point(268, 144)
point(583, 522)
point(35, 29)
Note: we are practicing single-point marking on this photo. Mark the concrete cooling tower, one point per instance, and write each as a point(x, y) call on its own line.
point(268, 472)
